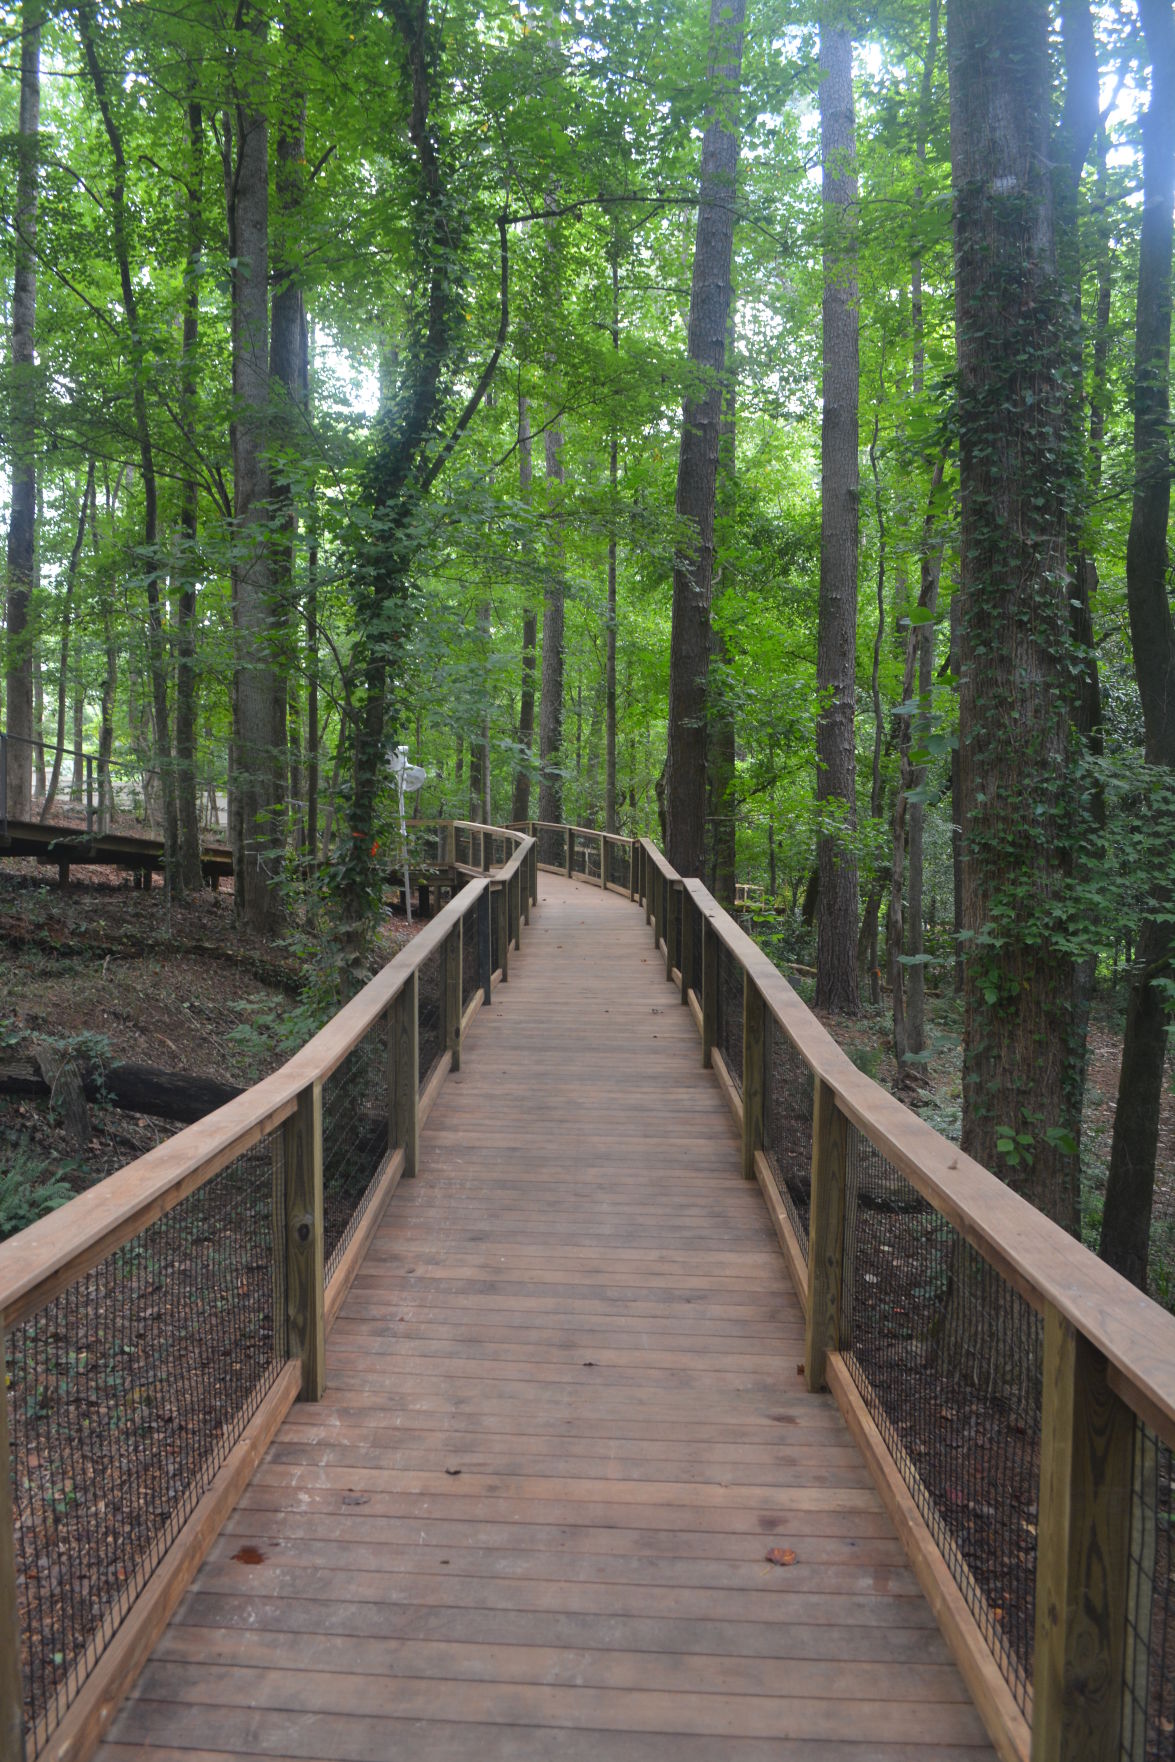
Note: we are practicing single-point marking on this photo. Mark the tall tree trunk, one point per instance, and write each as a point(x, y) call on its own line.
point(520, 806)
point(720, 745)
point(71, 575)
point(18, 664)
point(697, 467)
point(258, 739)
point(187, 808)
point(1130, 1186)
point(836, 653)
point(867, 941)
point(313, 735)
point(1020, 1059)
point(551, 700)
point(156, 638)
point(613, 515)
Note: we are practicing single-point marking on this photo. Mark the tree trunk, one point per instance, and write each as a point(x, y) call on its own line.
point(520, 806)
point(836, 654)
point(551, 701)
point(1130, 1186)
point(721, 755)
point(1020, 1060)
point(258, 740)
point(22, 415)
point(71, 574)
point(697, 468)
point(185, 678)
point(156, 640)
point(613, 515)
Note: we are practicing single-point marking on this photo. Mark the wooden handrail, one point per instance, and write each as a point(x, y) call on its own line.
point(40, 1261)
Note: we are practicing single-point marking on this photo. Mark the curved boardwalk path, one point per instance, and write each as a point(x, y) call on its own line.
point(563, 1426)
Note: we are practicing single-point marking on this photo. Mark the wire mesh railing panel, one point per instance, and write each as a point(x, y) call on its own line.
point(694, 976)
point(430, 996)
point(787, 1130)
point(126, 1393)
point(552, 842)
point(729, 1027)
point(948, 1359)
point(470, 977)
point(355, 1139)
point(619, 864)
point(1148, 1702)
point(579, 854)
point(463, 846)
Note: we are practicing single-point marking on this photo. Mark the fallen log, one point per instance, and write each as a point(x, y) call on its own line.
point(164, 1095)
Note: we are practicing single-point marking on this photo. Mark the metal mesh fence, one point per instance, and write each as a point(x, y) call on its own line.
point(619, 863)
point(948, 1359)
point(354, 1138)
point(552, 842)
point(787, 1129)
point(495, 934)
point(430, 981)
point(729, 1030)
point(462, 845)
point(1148, 1714)
point(126, 1393)
point(679, 905)
point(579, 863)
point(469, 973)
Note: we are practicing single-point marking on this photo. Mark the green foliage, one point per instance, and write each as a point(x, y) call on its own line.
point(30, 1187)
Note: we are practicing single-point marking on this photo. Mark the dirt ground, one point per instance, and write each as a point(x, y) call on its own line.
point(108, 969)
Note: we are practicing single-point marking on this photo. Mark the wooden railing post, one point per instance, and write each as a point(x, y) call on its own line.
point(826, 1233)
point(534, 871)
point(305, 1271)
point(454, 1002)
point(524, 891)
point(603, 870)
point(1082, 1553)
point(687, 943)
point(754, 1072)
point(11, 1699)
point(485, 948)
point(569, 850)
point(658, 907)
point(646, 885)
point(404, 1072)
point(502, 904)
point(672, 907)
point(709, 989)
point(633, 876)
point(487, 852)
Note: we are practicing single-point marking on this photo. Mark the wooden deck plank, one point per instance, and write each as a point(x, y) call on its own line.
point(563, 1424)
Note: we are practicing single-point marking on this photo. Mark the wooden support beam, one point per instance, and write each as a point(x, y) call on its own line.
point(453, 1000)
point(709, 989)
point(305, 1272)
point(658, 907)
point(534, 871)
point(11, 1714)
point(501, 900)
point(569, 849)
point(756, 1046)
point(688, 925)
point(633, 875)
point(487, 851)
point(1082, 1553)
point(404, 1073)
point(826, 1233)
point(646, 889)
point(603, 863)
point(485, 963)
point(672, 907)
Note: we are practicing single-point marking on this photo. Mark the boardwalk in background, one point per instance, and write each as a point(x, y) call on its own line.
point(563, 1427)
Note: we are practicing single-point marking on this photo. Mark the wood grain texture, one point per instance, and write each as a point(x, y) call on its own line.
point(562, 1429)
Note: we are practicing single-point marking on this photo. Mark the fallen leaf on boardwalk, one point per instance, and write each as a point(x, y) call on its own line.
point(356, 1499)
point(780, 1556)
point(249, 1556)
point(589, 1364)
point(453, 1471)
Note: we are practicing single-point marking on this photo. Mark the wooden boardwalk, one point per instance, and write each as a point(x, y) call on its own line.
point(563, 1427)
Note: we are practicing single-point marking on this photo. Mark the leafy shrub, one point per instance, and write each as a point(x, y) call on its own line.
point(29, 1188)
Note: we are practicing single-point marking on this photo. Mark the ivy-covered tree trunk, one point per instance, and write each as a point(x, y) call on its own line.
point(836, 651)
point(22, 416)
point(1020, 1056)
point(697, 468)
point(1130, 1186)
point(258, 693)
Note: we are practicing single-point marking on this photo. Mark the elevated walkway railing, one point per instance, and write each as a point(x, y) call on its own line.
point(1014, 1397)
point(157, 1329)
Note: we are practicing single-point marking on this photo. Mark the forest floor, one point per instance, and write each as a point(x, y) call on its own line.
point(104, 969)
